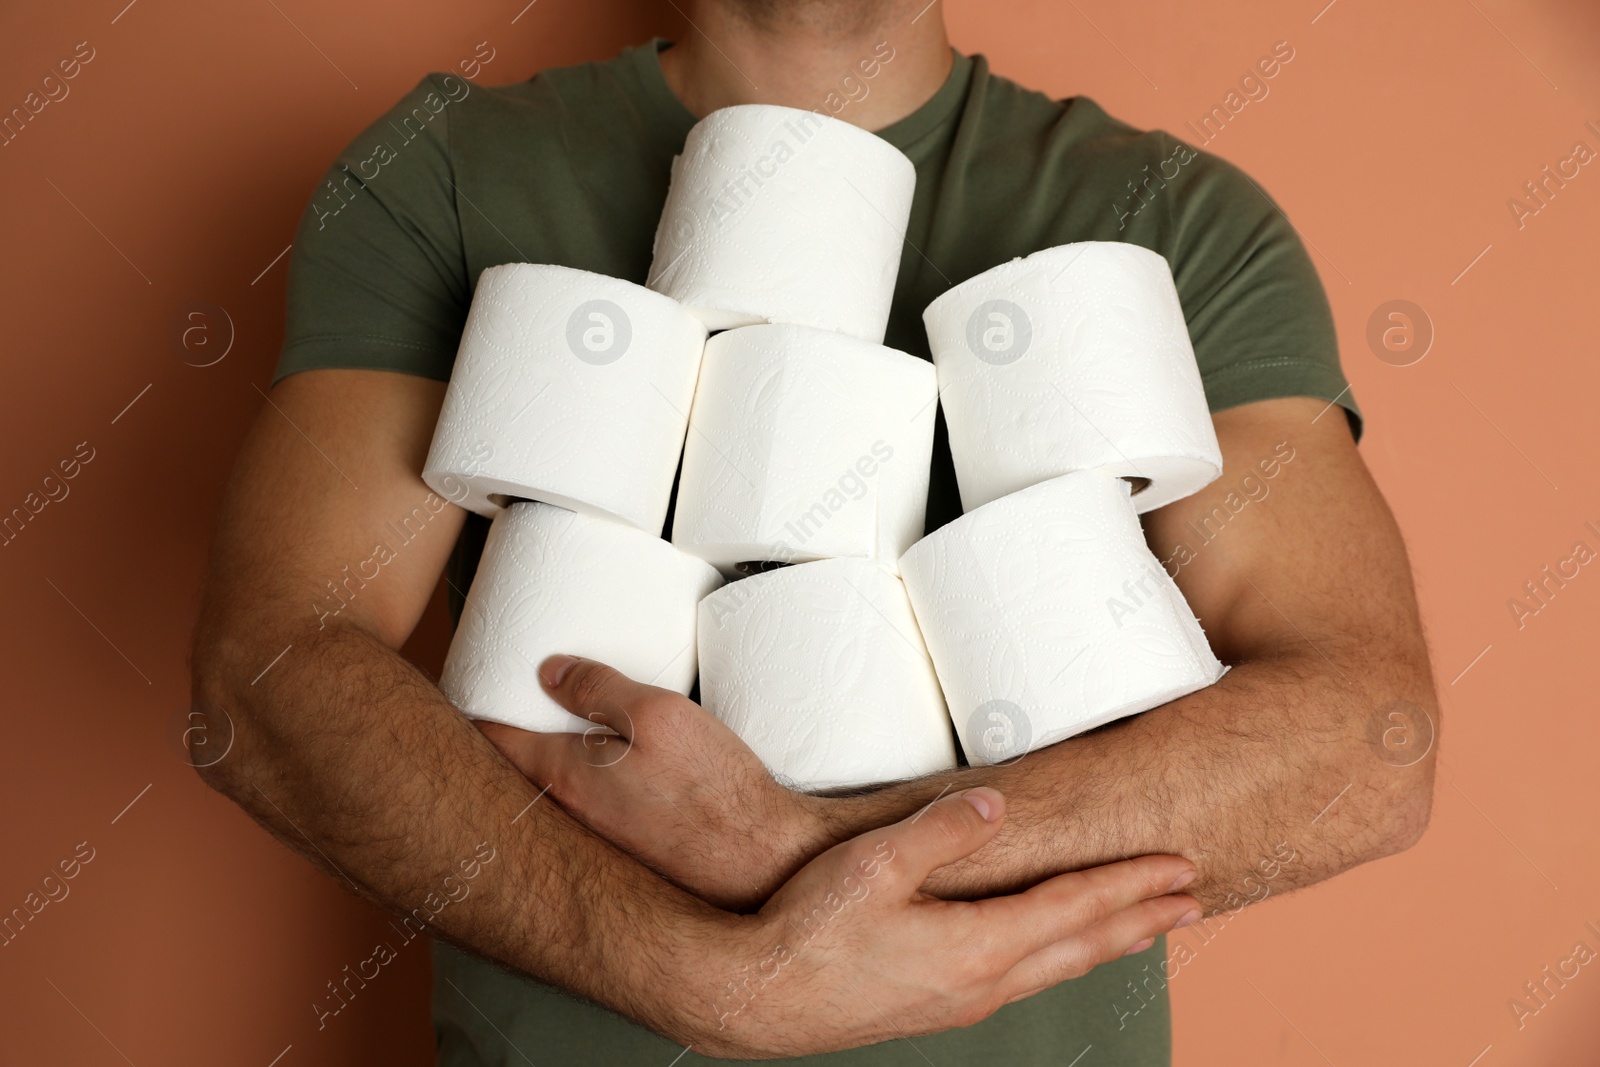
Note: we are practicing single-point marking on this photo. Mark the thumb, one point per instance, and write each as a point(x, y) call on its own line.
point(949, 829)
point(593, 691)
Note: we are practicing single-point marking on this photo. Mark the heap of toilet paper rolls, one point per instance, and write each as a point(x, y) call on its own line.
point(843, 646)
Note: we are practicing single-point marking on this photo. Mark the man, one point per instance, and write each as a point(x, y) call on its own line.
point(636, 884)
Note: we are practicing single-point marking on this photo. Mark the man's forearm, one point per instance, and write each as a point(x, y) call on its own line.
point(354, 759)
point(1281, 750)
point(1308, 594)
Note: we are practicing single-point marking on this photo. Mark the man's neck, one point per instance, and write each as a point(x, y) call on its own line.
point(869, 64)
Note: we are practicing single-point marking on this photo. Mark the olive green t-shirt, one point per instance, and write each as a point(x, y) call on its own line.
point(571, 167)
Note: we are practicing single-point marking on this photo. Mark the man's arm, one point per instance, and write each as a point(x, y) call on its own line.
point(327, 551)
point(1307, 593)
point(344, 750)
point(1301, 581)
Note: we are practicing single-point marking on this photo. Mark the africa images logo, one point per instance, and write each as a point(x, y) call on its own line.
point(998, 732)
point(1399, 333)
point(999, 332)
point(599, 332)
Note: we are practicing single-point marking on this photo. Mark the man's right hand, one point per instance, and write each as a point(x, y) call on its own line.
point(849, 951)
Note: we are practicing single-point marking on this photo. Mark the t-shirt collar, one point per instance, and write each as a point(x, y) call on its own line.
point(936, 110)
point(677, 119)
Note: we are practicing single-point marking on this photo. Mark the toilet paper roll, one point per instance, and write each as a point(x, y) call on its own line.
point(803, 445)
point(571, 388)
point(553, 580)
point(781, 215)
point(1046, 615)
point(1074, 358)
point(821, 670)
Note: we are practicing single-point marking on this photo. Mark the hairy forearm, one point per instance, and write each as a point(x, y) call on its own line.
point(1308, 595)
point(354, 759)
point(1281, 750)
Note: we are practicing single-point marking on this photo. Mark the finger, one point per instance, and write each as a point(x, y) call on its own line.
point(594, 691)
point(1071, 903)
point(542, 758)
point(1133, 928)
point(951, 828)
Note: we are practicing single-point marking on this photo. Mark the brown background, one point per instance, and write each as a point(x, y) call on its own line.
point(174, 172)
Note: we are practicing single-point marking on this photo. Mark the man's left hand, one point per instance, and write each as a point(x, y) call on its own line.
point(662, 778)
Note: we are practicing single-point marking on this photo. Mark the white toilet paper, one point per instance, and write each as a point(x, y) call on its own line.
point(821, 670)
point(553, 580)
point(1074, 358)
point(781, 215)
point(805, 444)
point(1046, 615)
point(571, 388)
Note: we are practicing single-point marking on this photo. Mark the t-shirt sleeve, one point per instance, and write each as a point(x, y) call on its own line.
point(1257, 312)
point(377, 275)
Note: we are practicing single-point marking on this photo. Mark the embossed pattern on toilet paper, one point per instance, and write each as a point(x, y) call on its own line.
point(804, 445)
point(571, 388)
point(1048, 602)
point(551, 581)
point(1073, 358)
point(781, 215)
point(821, 670)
